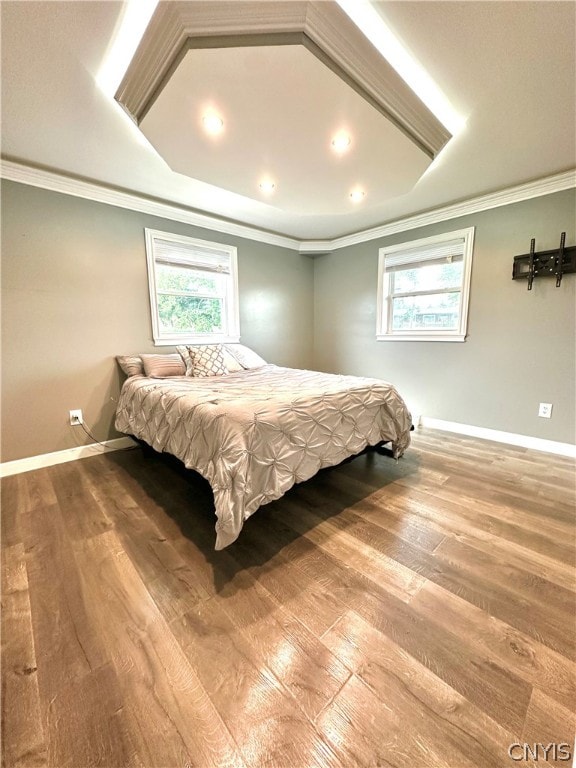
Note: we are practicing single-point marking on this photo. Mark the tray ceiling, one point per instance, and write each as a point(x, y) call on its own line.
point(282, 79)
point(507, 69)
point(281, 135)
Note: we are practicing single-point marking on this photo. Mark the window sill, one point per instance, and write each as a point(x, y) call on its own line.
point(206, 339)
point(420, 337)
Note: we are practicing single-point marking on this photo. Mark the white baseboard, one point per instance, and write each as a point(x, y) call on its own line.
point(61, 457)
point(81, 452)
point(524, 441)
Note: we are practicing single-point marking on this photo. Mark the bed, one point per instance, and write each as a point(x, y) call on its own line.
point(256, 432)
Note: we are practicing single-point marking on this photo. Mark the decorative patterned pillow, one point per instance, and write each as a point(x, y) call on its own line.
point(207, 360)
point(230, 361)
point(246, 356)
point(160, 366)
point(130, 364)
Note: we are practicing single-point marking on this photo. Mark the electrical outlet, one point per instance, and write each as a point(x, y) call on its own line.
point(76, 418)
point(545, 410)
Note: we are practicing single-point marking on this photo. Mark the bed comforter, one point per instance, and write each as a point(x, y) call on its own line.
point(256, 433)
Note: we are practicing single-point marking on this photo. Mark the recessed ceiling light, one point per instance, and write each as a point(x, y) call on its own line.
point(213, 124)
point(341, 142)
point(267, 186)
point(357, 195)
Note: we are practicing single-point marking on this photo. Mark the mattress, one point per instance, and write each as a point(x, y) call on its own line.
point(255, 433)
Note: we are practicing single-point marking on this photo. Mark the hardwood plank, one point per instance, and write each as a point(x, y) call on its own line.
point(87, 725)
point(519, 487)
point(297, 657)
point(403, 508)
point(268, 727)
point(344, 500)
point(538, 518)
point(165, 490)
point(71, 658)
point(460, 522)
point(525, 657)
point(67, 644)
point(455, 501)
point(173, 584)
point(350, 724)
point(494, 689)
point(130, 487)
point(23, 741)
point(516, 489)
point(382, 613)
point(171, 718)
point(362, 594)
point(378, 471)
point(10, 535)
point(548, 723)
point(316, 608)
point(82, 515)
point(305, 666)
point(503, 696)
point(522, 558)
point(409, 724)
point(337, 538)
point(485, 592)
point(530, 617)
point(21, 494)
point(527, 584)
point(313, 676)
point(561, 473)
point(40, 490)
point(363, 504)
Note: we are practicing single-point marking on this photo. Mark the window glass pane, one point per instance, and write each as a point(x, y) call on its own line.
point(181, 314)
point(430, 277)
point(169, 278)
point(440, 310)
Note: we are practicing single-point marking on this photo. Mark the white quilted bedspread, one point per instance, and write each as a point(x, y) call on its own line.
point(256, 433)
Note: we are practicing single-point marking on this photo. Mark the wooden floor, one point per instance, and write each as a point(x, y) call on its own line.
point(412, 614)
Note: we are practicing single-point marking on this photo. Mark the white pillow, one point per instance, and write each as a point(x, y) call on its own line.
point(246, 356)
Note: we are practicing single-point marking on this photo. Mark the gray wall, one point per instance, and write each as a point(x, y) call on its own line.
point(75, 294)
point(521, 345)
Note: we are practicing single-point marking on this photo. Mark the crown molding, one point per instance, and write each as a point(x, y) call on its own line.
point(315, 247)
point(322, 27)
point(539, 188)
point(59, 182)
point(67, 185)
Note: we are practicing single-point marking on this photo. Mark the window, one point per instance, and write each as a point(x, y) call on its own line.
point(423, 288)
point(193, 289)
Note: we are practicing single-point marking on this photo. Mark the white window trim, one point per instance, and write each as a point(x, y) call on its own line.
point(383, 330)
point(232, 333)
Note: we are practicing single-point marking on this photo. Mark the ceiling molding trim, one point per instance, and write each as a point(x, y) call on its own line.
point(58, 182)
point(315, 247)
point(539, 188)
point(333, 36)
point(327, 25)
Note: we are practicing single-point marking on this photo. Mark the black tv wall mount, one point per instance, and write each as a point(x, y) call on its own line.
point(555, 263)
